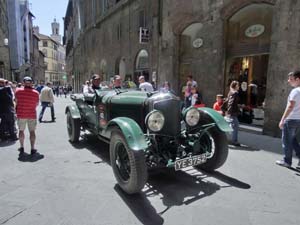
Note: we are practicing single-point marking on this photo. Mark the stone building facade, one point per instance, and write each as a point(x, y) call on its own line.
point(4, 49)
point(254, 41)
point(54, 54)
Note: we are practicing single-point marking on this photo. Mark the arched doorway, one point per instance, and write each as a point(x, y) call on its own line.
point(247, 54)
point(141, 65)
point(190, 43)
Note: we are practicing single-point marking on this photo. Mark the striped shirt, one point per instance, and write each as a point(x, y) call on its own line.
point(27, 101)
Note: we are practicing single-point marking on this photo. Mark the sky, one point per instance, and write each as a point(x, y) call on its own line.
point(45, 11)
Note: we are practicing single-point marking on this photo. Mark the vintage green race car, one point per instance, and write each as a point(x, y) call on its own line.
point(149, 130)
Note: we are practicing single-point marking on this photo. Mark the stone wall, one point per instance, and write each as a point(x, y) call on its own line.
point(166, 20)
point(284, 57)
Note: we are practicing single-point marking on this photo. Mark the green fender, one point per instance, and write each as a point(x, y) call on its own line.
point(73, 109)
point(217, 118)
point(132, 132)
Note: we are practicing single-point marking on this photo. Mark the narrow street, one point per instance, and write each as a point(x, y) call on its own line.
point(74, 185)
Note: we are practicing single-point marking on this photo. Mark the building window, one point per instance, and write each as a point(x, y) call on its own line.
point(45, 52)
point(55, 47)
point(104, 6)
point(119, 32)
point(142, 19)
point(45, 44)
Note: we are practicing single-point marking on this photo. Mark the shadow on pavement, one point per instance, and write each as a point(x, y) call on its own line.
point(140, 207)
point(5, 143)
point(29, 158)
point(47, 121)
point(178, 188)
point(228, 180)
point(243, 148)
point(94, 145)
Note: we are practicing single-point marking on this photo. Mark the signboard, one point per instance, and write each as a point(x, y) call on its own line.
point(197, 43)
point(254, 30)
point(143, 35)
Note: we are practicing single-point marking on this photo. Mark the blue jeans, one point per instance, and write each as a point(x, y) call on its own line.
point(44, 106)
point(234, 123)
point(289, 141)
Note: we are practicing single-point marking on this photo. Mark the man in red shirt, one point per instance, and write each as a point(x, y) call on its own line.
point(27, 100)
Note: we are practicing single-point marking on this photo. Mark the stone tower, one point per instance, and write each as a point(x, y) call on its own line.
point(55, 31)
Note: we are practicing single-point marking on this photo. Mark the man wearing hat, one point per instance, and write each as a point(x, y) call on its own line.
point(27, 100)
point(96, 80)
point(145, 86)
point(117, 82)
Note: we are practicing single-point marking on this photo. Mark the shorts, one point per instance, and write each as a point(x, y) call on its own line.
point(31, 123)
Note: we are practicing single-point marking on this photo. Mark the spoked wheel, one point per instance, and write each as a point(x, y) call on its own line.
point(214, 143)
point(128, 165)
point(122, 162)
point(73, 126)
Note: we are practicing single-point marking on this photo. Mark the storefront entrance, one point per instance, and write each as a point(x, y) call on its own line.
point(248, 47)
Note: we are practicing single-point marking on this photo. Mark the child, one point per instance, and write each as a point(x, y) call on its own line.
point(218, 104)
point(196, 97)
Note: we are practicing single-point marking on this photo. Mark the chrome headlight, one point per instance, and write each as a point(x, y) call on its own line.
point(155, 121)
point(192, 117)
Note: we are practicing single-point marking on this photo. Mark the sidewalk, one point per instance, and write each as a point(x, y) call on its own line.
point(260, 142)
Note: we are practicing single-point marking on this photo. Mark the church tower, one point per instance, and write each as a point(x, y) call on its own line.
point(55, 31)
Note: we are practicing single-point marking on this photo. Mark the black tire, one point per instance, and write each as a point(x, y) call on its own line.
point(216, 141)
point(73, 127)
point(129, 166)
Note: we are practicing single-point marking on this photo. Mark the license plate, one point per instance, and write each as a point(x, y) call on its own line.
point(190, 161)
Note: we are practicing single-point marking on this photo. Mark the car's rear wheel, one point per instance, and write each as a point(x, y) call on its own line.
point(73, 126)
point(128, 165)
point(215, 143)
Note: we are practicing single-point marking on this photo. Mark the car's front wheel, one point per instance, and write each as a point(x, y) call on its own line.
point(128, 165)
point(73, 126)
point(214, 143)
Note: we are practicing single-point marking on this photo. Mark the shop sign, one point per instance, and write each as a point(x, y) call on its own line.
point(254, 30)
point(197, 43)
point(143, 35)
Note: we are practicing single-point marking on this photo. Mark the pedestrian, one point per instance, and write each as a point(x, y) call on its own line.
point(233, 111)
point(27, 100)
point(60, 90)
point(218, 104)
point(65, 90)
point(117, 82)
point(144, 85)
point(166, 87)
point(7, 113)
point(191, 79)
point(188, 95)
point(90, 90)
point(40, 87)
point(47, 100)
point(196, 96)
point(290, 122)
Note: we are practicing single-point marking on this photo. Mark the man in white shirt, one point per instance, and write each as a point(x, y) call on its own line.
point(145, 86)
point(47, 100)
point(290, 122)
point(90, 90)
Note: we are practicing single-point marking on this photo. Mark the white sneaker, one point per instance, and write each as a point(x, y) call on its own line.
point(282, 163)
